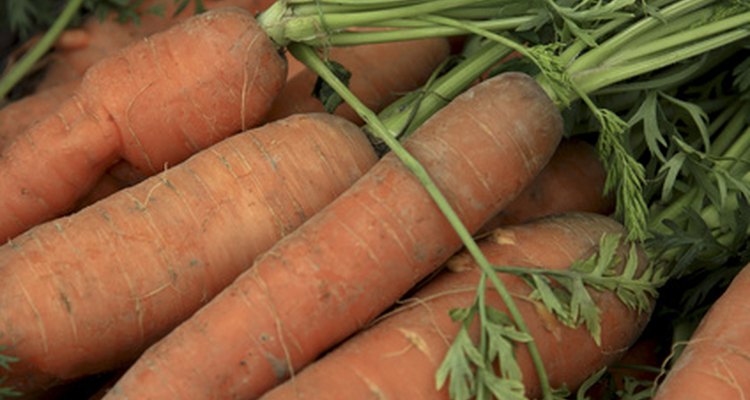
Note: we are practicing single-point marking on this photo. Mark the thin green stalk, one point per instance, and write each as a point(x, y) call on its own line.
point(307, 55)
point(681, 38)
point(593, 79)
point(410, 29)
point(26, 63)
point(613, 45)
point(400, 117)
point(483, 339)
point(680, 24)
point(304, 29)
point(728, 136)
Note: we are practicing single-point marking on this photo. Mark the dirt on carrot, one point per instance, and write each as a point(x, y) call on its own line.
point(86, 293)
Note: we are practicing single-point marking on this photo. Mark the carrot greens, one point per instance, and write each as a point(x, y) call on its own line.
point(661, 86)
point(681, 182)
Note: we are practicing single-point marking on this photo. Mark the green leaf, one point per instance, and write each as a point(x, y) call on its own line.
point(502, 338)
point(584, 309)
point(506, 389)
point(697, 116)
point(647, 113)
point(330, 99)
point(458, 365)
point(550, 299)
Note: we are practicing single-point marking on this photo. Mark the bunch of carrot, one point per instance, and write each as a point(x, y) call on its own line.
point(274, 241)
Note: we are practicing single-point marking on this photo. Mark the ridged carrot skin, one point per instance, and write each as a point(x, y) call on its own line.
point(381, 73)
point(97, 39)
point(716, 360)
point(398, 357)
point(16, 117)
point(573, 180)
point(355, 258)
point(89, 292)
point(153, 104)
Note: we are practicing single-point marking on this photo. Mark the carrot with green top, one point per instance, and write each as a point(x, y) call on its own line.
point(380, 74)
point(400, 356)
point(356, 257)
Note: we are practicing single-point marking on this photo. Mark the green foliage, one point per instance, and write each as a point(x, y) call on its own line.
point(471, 366)
point(5, 363)
point(566, 292)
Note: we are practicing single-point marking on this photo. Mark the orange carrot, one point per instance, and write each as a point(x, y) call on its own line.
point(715, 361)
point(79, 49)
point(86, 293)
point(356, 257)
point(381, 73)
point(573, 180)
point(19, 115)
point(143, 107)
point(398, 358)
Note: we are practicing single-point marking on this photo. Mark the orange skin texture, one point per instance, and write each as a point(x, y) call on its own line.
point(356, 257)
point(17, 116)
point(152, 108)
point(87, 293)
point(573, 180)
point(381, 73)
point(398, 357)
point(78, 49)
point(715, 362)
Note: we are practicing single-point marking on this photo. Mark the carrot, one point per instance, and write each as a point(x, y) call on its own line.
point(356, 257)
point(398, 357)
point(573, 180)
point(142, 107)
point(715, 362)
point(380, 74)
point(78, 49)
point(19, 115)
point(88, 292)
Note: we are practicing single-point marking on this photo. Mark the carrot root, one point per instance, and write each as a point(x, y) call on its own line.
point(87, 293)
point(360, 254)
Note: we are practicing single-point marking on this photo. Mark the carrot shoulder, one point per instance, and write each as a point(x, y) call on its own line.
point(356, 257)
point(398, 357)
point(381, 73)
point(89, 292)
point(715, 363)
point(146, 107)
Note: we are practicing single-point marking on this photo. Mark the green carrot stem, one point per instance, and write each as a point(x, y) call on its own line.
point(26, 63)
point(308, 56)
point(311, 28)
point(688, 36)
point(680, 24)
point(400, 116)
point(613, 45)
point(592, 80)
point(412, 29)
